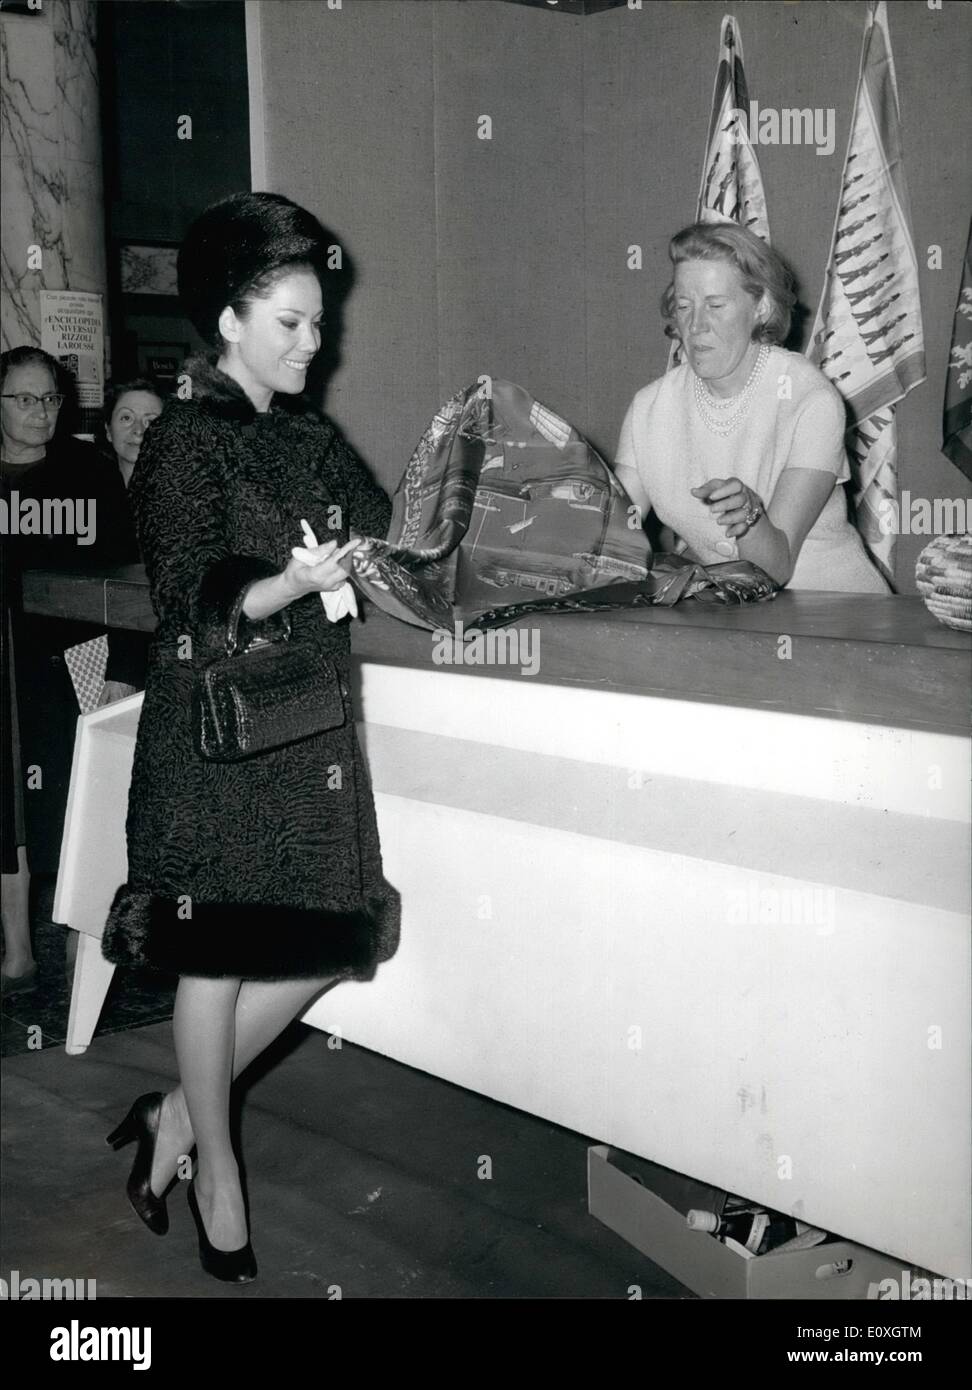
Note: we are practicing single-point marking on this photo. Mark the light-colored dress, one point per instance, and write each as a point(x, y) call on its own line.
point(796, 419)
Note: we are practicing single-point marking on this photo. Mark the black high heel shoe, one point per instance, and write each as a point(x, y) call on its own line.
point(142, 1123)
point(232, 1266)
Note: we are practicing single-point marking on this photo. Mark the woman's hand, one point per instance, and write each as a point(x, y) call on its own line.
point(318, 568)
point(311, 569)
point(774, 543)
point(734, 505)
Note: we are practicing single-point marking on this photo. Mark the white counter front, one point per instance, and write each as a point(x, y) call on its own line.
point(736, 943)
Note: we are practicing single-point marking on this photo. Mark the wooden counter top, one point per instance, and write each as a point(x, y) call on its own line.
point(873, 658)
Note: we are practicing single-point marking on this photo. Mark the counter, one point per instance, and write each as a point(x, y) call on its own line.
point(698, 889)
point(868, 657)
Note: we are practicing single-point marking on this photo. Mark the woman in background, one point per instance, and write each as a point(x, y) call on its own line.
point(740, 450)
point(130, 407)
point(276, 855)
point(40, 461)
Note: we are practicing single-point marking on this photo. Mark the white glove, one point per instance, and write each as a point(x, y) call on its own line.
point(338, 603)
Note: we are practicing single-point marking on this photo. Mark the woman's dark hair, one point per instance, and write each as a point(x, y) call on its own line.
point(64, 382)
point(116, 389)
point(763, 271)
point(238, 249)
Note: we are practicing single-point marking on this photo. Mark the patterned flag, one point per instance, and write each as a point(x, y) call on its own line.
point(867, 336)
point(957, 414)
point(732, 187)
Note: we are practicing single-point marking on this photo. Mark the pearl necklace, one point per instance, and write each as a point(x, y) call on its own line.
point(706, 402)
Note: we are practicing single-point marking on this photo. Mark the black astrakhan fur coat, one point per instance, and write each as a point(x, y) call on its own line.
point(269, 868)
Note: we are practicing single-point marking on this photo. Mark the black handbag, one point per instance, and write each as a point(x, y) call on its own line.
point(270, 693)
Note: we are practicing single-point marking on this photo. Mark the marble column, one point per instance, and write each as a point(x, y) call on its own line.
point(50, 153)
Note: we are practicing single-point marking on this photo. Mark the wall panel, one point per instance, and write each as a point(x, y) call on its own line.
point(510, 209)
point(508, 256)
point(349, 133)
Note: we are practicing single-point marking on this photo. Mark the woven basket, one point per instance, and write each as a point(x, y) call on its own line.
point(944, 579)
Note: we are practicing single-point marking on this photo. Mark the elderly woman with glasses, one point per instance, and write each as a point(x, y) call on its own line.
point(740, 449)
point(40, 461)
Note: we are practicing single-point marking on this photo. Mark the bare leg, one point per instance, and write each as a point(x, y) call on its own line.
point(204, 1025)
point(15, 912)
point(262, 1011)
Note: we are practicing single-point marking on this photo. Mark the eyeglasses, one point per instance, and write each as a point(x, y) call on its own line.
point(52, 401)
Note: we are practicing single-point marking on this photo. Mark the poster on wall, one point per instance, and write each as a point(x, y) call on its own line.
point(72, 330)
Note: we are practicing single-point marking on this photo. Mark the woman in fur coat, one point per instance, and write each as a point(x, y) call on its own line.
point(258, 882)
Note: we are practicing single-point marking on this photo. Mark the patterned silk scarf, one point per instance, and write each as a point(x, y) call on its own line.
point(506, 509)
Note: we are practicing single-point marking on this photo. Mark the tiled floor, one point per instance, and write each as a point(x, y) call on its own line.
point(361, 1172)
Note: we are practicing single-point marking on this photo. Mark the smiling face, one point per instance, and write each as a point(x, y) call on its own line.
point(271, 348)
point(27, 431)
point(133, 413)
point(715, 317)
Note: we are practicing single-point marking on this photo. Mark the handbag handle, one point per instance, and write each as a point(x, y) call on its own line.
point(236, 616)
